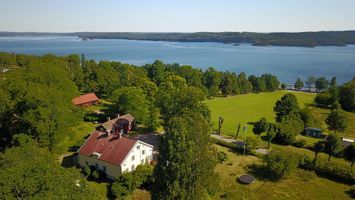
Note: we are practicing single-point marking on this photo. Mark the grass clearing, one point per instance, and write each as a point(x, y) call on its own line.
point(251, 107)
point(299, 185)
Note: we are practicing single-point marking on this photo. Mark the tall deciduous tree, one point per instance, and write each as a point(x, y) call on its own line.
point(299, 84)
point(271, 133)
point(30, 173)
point(131, 100)
point(336, 121)
point(322, 83)
point(287, 105)
point(347, 96)
point(212, 80)
point(185, 168)
point(332, 145)
point(318, 147)
point(175, 97)
point(260, 126)
point(310, 82)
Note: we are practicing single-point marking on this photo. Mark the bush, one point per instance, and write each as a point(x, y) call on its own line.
point(325, 99)
point(232, 146)
point(332, 170)
point(95, 175)
point(253, 142)
point(288, 128)
point(280, 164)
point(119, 191)
point(128, 182)
point(300, 143)
point(351, 192)
point(86, 170)
point(335, 171)
point(221, 156)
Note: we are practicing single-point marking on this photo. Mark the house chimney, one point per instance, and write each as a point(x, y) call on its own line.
point(108, 118)
point(118, 115)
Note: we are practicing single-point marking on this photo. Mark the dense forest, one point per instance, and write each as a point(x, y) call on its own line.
point(303, 39)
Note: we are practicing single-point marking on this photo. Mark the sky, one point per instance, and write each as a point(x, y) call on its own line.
point(176, 15)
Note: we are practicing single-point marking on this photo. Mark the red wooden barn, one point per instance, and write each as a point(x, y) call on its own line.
point(86, 100)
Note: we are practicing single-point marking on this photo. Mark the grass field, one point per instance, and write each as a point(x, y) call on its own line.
point(299, 185)
point(251, 107)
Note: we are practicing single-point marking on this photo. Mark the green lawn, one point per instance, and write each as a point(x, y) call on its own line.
point(248, 108)
point(299, 185)
point(251, 107)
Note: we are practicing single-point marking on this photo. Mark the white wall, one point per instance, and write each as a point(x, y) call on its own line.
point(139, 157)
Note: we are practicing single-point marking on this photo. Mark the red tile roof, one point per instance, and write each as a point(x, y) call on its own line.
point(112, 150)
point(86, 98)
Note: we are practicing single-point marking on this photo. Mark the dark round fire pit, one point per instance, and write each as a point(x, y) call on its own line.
point(246, 178)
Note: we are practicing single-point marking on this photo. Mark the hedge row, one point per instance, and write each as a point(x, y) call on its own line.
point(336, 171)
point(328, 169)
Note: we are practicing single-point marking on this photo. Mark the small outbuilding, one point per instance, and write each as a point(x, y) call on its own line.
point(313, 132)
point(124, 124)
point(347, 142)
point(86, 100)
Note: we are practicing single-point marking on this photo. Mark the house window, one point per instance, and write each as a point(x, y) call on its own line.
point(97, 166)
point(142, 161)
point(86, 162)
point(104, 168)
point(132, 167)
point(138, 146)
point(143, 152)
point(132, 157)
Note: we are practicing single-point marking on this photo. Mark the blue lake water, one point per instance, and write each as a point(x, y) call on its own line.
point(288, 63)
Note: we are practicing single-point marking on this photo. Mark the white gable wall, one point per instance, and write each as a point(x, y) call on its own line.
point(141, 153)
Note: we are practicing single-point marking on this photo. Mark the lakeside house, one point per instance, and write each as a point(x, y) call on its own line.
point(114, 154)
point(86, 100)
point(124, 124)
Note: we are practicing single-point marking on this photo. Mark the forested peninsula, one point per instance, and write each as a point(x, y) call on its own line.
point(303, 39)
point(300, 39)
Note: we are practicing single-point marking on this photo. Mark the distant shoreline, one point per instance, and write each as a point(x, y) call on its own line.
point(299, 39)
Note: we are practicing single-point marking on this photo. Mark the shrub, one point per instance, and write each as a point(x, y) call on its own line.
point(118, 190)
point(253, 142)
point(128, 182)
point(280, 164)
point(86, 170)
point(335, 171)
point(325, 99)
point(95, 175)
point(228, 145)
point(288, 128)
point(300, 143)
point(332, 170)
point(221, 156)
point(351, 192)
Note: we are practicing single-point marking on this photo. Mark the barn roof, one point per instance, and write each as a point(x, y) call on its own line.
point(86, 98)
point(107, 147)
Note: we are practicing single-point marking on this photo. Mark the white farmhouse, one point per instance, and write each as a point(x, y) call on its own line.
point(114, 154)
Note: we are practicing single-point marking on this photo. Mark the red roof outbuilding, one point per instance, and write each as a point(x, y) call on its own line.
point(110, 148)
point(86, 99)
